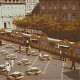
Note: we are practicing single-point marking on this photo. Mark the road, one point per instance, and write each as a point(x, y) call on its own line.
point(54, 69)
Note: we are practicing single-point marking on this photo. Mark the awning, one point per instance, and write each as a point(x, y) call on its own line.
point(34, 39)
point(19, 36)
point(64, 46)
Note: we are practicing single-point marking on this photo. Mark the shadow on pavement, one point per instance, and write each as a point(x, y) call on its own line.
point(73, 74)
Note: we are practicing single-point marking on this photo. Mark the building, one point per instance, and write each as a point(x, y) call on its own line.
point(61, 10)
point(30, 5)
point(10, 10)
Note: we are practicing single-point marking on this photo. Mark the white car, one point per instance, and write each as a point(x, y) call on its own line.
point(2, 68)
point(11, 56)
point(34, 53)
point(15, 76)
point(45, 57)
point(24, 62)
point(33, 71)
point(4, 52)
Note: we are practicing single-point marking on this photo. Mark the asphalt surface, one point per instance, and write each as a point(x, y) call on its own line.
point(54, 69)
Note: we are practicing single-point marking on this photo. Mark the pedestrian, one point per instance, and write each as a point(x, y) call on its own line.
point(26, 51)
point(8, 67)
point(19, 48)
point(27, 43)
point(65, 55)
point(24, 42)
point(60, 55)
point(73, 63)
point(12, 63)
point(29, 50)
point(40, 54)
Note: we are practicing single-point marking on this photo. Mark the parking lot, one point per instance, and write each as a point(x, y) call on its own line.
point(54, 69)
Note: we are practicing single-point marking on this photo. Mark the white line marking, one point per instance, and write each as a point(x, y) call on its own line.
point(34, 62)
point(46, 67)
point(62, 71)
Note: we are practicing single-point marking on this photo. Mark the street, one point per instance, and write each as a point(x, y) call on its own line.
point(54, 69)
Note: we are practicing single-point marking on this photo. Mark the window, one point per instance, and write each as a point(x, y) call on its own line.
point(55, 7)
point(44, 43)
point(74, 7)
point(43, 7)
point(55, 18)
point(69, 17)
point(52, 44)
point(49, 6)
point(77, 50)
point(64, 17)
point(65, 7)
point(73, 18)
point(34, 40)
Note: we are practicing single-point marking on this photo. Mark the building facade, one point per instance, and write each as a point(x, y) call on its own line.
point(10, 10)
point(61, 10)
point(30, 5)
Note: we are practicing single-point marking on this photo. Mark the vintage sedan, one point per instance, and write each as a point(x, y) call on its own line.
point(33, 71)
point(2, 68)
point(10, 46)
point(11, 56)
point(24, 62)
point(34, 53)
point(15, 76)
point(4, 52)
point(45, 57)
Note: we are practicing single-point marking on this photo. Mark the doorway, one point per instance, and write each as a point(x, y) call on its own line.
point(4, 25)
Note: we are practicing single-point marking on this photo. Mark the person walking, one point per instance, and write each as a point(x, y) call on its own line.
point(19, 48)
point(29, 50)
point(73, 63)
point(24, 42)
point(26, 51)
point(12, 63)
point(8, 67)
point(40, 54)
point(60, 55)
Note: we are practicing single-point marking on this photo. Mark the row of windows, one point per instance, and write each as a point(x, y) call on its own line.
point(32, 1)
point(11, 8)
point(12, 0)
point(9, 16)
point(31, 7)
point(66, 17)
point(55, 7)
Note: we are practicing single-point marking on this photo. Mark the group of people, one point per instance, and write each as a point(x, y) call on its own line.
point(9, 66)
point(63, 56)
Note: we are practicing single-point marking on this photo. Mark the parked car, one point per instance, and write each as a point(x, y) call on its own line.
point(45, 57)
point(34, 53)
point(2, 68)
point(33, 71)
point(15, 76)
point(4, 52)
point(11, 56)
point(10, 46)
point(24, 62)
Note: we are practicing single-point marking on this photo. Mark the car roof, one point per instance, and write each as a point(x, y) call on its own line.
point(17, 72)
point(24, 59)
point(11, 54)
point(34, 68)
point(46, 55)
